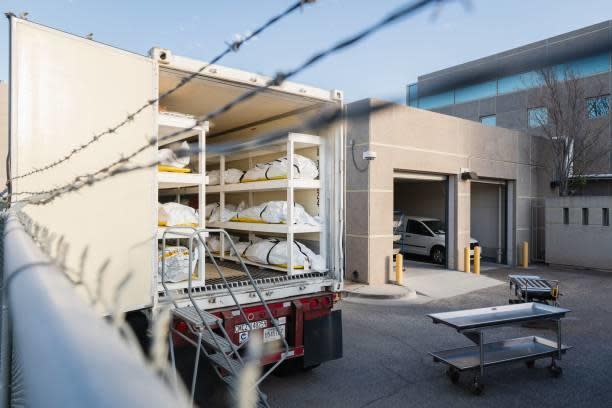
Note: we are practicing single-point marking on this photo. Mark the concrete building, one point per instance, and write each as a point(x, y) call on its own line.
point(498, 90)
point(579, 232)
point(422, 162)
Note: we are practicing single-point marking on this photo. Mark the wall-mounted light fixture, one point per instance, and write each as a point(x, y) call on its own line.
point(466, 174)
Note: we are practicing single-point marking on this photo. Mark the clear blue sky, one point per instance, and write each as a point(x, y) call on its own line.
point(380, 67)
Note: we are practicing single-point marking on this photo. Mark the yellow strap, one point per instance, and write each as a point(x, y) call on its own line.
point(285, 265)
point(246, 219)
point(171, 169)
point(263, 179)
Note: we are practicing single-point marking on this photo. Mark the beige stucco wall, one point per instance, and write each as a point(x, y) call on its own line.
point(575, 244)
point(408, 139)
point(3, 132)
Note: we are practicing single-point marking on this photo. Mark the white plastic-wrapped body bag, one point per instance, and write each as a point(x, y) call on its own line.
point(274, 212)
point(177, 264)
point(229, 211)
point(303, 168)
point(168, 157)
point(272, 251)
point(231, 176)
point(214, 244)
point(176, 215)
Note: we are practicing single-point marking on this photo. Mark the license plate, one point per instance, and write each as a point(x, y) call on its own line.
point(244, 327)
point(271, 334)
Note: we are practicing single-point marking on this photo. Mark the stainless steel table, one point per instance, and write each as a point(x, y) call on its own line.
point(472, 324)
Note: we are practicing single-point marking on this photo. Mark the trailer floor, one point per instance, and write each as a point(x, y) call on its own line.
point(385, 361)
point(234, 273)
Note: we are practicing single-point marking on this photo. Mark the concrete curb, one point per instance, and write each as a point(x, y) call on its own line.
point(392, 292)
point(375, 296)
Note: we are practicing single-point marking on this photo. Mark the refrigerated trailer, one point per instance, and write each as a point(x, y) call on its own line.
point(64, 89)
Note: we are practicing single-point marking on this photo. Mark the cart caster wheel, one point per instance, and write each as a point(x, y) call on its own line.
point(477, 387)
point(555, 371)
point(530, 364)
point(453, 375)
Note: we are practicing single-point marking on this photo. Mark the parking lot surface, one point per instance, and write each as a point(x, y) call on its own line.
point(386, 364)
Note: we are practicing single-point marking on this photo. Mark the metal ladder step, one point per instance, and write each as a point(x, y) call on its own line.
point(223, 344)
point(190, 315)
point(234, 366)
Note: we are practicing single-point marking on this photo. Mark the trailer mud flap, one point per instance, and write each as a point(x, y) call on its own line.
point(323, 339)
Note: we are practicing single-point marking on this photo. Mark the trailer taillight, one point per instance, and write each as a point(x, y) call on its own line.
point(181, 326)
point(326, 301)
point(314, 302)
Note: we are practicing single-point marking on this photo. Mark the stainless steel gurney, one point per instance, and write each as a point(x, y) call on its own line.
point(532, 288)
point(473, 323)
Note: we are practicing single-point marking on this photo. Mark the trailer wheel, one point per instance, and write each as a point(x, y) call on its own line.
point(453, 375)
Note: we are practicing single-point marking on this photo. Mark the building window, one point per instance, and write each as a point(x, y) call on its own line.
point(437, 101)
point(585, 216)
point(566, 216)
point(537, 117)
point(605, 217)
point(475, 92)
point(490, 120)
point(598, 106)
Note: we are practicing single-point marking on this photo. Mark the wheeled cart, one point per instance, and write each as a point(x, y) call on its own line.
point(473, 323)
point(531, 288)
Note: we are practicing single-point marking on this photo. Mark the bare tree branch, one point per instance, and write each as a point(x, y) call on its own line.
point(573, 125)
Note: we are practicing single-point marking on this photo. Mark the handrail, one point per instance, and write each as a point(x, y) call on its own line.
point(68, 355)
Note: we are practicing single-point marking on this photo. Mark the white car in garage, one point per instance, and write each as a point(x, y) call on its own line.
point(426, 236)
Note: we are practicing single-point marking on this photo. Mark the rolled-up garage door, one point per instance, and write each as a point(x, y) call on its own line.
point(418, 176)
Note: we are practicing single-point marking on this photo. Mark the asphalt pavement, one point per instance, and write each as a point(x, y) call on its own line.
point(386, 364)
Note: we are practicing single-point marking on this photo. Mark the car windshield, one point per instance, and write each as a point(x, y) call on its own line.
point(436, 226)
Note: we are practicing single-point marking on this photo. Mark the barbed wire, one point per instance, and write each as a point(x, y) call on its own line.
point(234, 46)
point(118, 167)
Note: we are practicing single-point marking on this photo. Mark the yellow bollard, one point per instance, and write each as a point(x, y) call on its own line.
point(399, 269)
point(477, 260)
point(525, 254)
point(466, 260)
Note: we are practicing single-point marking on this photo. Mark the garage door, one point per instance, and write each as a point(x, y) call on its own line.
point(418, 176)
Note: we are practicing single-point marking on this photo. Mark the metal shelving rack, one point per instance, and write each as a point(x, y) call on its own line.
point(288, 145)
point(176, 183)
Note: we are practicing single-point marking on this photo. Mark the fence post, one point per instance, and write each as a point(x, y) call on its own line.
point(82, 361)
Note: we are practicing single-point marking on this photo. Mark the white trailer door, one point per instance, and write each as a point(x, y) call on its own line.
point(65, 89)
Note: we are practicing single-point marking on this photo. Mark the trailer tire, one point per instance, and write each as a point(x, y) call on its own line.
point(292, 367)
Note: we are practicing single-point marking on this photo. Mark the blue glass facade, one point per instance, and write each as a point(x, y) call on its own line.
point(475, 92)
point(583, 67)
point(490, 120)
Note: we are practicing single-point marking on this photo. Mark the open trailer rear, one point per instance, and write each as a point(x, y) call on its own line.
point(287, 202)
